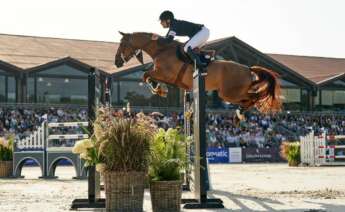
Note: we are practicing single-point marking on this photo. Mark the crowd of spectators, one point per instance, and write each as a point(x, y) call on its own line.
point(22, 122)
point(257, 131)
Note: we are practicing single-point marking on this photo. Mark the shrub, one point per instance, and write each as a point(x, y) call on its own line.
point(6, 148)
point(119, 143)
point(168, 155)
point(290, 151)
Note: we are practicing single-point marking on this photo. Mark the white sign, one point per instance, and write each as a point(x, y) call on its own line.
point(235, 155)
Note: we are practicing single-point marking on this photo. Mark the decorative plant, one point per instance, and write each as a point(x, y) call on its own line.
point(119, 143)
point(6, 148)
point(86, 149)
point(290, 151)
point(168, 155)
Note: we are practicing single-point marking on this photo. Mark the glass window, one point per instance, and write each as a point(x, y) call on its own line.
point(135, 75)
point(134, 92)
point(2, 88)
point(173, 97)
point(327, 97)
point(11, 92)
point(114, 90)
point(339, 82)
point(62, 90)
point(31, 89)
point(317, 98)
point(64, 70)
point(291, 95)
point(285, 83)
point(339, 97)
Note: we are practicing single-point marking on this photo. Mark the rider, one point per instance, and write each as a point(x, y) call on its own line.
point(197, 33)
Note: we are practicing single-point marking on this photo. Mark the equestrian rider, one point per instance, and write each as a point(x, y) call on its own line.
point(198, 35)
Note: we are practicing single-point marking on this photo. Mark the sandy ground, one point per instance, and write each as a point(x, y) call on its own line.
point(242, 187)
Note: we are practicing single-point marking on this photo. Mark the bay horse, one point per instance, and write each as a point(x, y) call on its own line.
point(235, 83)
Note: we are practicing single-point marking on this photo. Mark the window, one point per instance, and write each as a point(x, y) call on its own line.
point(11, 89)
point(62, 85)
point(326, 97)
point(30, 89)
point(62, 90)
point(114, 94)
point(339, 97)
point(285, 83)
point(135, 75)
point(339, 83)
point(2, 88)
point(63, 70)
point(332, 97)
point(317, 98)
point(291, 95)
point(134, 92)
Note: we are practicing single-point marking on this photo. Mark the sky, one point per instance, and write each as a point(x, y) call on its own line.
point(297, 27)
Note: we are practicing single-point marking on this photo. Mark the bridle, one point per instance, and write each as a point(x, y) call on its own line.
point(137, 52)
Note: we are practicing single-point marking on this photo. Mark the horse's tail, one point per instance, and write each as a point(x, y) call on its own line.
point(267, 90)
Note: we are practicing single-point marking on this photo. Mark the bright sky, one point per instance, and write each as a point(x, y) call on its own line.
point(300, 27)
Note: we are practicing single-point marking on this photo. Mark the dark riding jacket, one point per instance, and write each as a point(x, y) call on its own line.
point(180, 28)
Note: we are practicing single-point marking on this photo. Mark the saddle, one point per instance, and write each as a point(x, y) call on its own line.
point(206, 56)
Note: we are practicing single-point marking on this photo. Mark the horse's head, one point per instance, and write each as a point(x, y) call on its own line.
point(127, 49)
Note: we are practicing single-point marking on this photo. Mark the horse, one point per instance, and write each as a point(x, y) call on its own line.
point(235, 83)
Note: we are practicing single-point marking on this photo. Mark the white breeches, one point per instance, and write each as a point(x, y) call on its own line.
point(198, 39)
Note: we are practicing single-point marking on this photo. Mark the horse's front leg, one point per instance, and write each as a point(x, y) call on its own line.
point(153, 85)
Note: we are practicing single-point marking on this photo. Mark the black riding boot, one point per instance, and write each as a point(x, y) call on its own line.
point(199, 64)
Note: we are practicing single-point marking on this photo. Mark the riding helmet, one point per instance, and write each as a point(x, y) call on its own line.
point(166, 15)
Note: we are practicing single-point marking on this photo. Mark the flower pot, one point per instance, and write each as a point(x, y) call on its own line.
point(166, 196)
point(124, 191)
point(6, 168)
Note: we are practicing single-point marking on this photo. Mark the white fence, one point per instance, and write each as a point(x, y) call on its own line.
point(316, 151)
point(40, 139)
point(34, 142)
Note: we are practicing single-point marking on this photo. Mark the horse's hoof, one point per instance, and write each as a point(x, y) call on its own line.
point(162, 93)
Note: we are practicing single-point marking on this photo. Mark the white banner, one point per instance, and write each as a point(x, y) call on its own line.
point(235, 155)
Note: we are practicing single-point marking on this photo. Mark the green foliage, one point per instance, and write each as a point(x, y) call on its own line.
point(123, 143)
point(168, 155)
point(291, 151)
point(6, 148)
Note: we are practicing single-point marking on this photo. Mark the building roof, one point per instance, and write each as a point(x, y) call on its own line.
point(28, 52)
point(316, 69)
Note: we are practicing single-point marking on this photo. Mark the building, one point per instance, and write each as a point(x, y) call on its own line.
point(49, 71)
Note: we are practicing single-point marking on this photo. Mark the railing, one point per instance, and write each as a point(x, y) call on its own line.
point(40, 139)
point(34, 142)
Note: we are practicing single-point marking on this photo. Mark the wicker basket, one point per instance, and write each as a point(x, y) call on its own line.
point(6, 168)
point(124, 191)
point(166, 196)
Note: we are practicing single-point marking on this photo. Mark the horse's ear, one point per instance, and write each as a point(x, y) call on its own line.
point(122, 33)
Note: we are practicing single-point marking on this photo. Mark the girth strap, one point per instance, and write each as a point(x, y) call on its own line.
point(180, 75)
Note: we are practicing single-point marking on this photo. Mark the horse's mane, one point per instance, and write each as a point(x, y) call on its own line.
point(174, 43)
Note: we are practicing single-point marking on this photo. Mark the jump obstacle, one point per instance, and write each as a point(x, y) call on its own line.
point(201, 199)
point(199, 180)
point(39, 146)
point(322, 150)
point(93, 199)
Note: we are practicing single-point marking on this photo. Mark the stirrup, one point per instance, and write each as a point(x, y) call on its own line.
point(202, 70)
